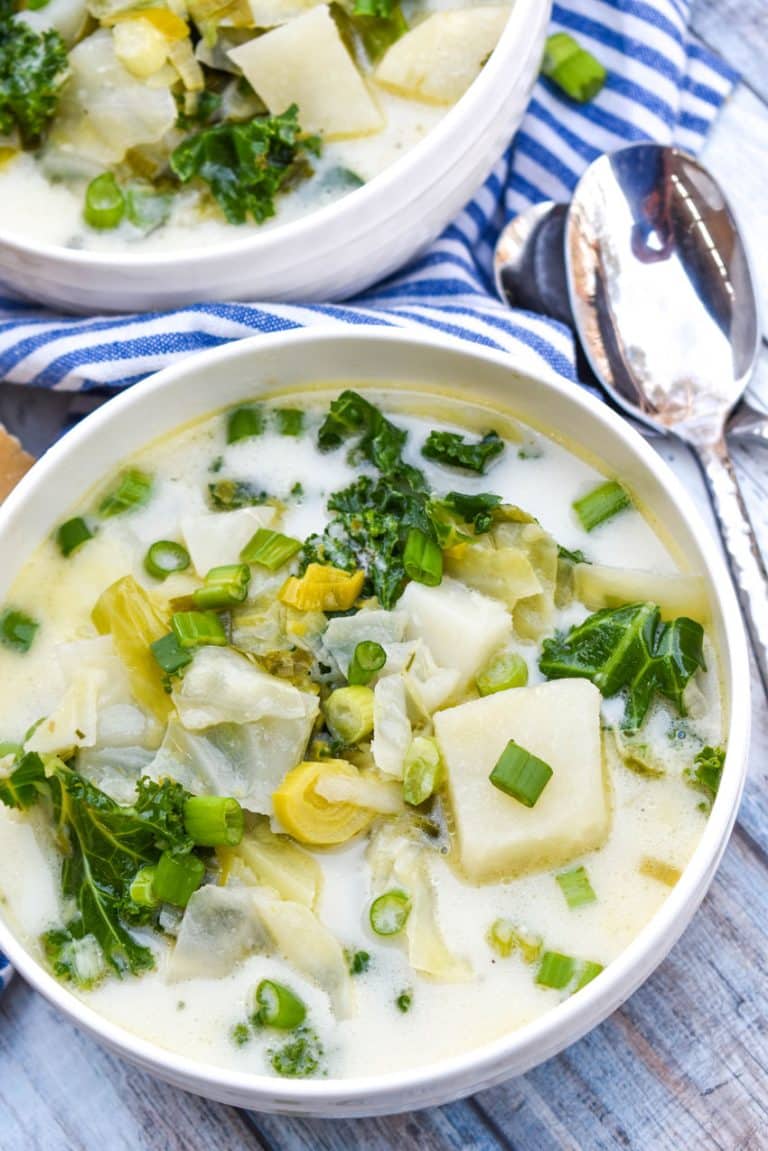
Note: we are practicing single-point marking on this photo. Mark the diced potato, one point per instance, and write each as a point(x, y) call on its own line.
point(560, 723)
point(597, 586)
point(438, 59)
point(215, 538)
point(305, 62)
point(461, 627)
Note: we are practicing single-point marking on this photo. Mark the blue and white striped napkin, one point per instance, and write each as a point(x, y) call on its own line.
point(661, 86)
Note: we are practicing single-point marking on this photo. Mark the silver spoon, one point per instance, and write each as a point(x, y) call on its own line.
point(664, 304)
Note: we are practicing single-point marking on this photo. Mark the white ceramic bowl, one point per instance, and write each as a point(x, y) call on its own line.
point(329, 254)
point(245, 370)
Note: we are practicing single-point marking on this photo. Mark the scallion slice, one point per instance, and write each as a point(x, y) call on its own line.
point(601, 504)
point(277, 1006)
point(587, 971)
point(422, 770)
point(504, 671)
point(177, 878)
point(242, 423)
point(270, 549)
point(165, 557)
point(17, 629)
point(389, 913)
point(422, 559)
point(368, 658)
point(169, 654)
point(142, 889)
point(224, 586)
point(520, 775)
point(349, 713)
point(198, 628)
point(555, 970)
point(572, 68)
point(104, 202)
point(132, 491)
point(214, 820)
point(72, 534)
point(290, 421)
point(404, 1001)
point(576, 888)
point(504, 937)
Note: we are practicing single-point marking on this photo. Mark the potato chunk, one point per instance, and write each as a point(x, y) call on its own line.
point(438, 59)
point(461, 627)
point(560, 723)
point(305, 62)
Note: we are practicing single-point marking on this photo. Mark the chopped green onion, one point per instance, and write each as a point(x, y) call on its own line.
point(165, 557)
point(8, 747)
point(368, 658)
point(422, 559)
point(198, 628)
point(177, 878)
point(572, 68)
point(169, 654)
point(270, 549)
point(662, 872)
point(17, 629)
point(104, 202)
point(72, 534)
point(555, 970)
point(349, 713)
point(601, 504)
point(290, 421)
point(504, 671)
point(224, 586)
point(576, 888)
point(214, 820)
point(243, 423)
point(587, 971)
point(133, 490)
point(422, 770)
point(142, 889)
point(277, 1006)
point(389, 913)
point(404, 1001)
point(240, 1034)
point(504, 937)
point(520, 775)
point(359, 962)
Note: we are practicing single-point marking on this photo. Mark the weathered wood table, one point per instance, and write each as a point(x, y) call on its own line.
point(684, 1064)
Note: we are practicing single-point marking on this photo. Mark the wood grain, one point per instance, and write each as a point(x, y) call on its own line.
point(14, 462)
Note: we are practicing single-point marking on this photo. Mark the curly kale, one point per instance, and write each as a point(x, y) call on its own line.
point(33, 66)
point(452, 449)
point(706, 772)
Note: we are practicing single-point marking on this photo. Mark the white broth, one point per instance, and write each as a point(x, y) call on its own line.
point(355, 703)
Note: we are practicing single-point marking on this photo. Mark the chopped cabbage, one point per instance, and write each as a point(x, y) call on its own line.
point(506, 573)
point(74, 722)
point(598, 586)
point(533, 615)
point(428, 686)
point(344, 633)
point(220, 928)
point(216, 538)
point(391, 726)
point(276, 861)
point(129, 614)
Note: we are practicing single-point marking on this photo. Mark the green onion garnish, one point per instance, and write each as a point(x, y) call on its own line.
point(277, 1006)
point(169, 654)
point(17, 629)
point(422, 770)
point(368, 658)
point(72, 534)
point(359, 962)
point(349, 713)
point(601, 504)
point(224, 586)
point(555, 970)
point(576, 888)
point(177, 877)
point(404, 1001)
point(243, 423)
point(270, 549)
point(504, 937)
point(133, 490)
point(198, 628)
point(142, 889)
point(588, 970)
point(104, 202)
point(389, 913)
point(290, 421)
point(572, 68)
point(504, 671)
point(214, 820)
point(520, 775)
point(165, 557)
point(422, 559)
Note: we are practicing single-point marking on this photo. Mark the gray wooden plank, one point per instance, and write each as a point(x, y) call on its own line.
point(738, 30)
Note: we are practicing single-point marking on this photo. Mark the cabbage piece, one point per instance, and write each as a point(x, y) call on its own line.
point(276, 861)
point(129, 614)
point(115, 770)
point(598, 586)
point(74, 722)
point(216, 538)
point(220, 928)
point(68, 17)
point(506, 573)
point(533, 615)
point(428, 686)
point(259, 630)
point(344, 633)
point(391, 726)
point(222, 686)
point(104, 110)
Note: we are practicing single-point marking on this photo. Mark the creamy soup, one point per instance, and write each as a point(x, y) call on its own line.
point(346, 732)
point(150, 126)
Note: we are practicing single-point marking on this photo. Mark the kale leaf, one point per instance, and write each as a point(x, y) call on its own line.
point(228, 495)
point(706, 773)
point(33, 66)
point(245, 165)
point(453, 449)
point(103, 845)
point(378, 23)
point(628, 649)
point(300, 1057)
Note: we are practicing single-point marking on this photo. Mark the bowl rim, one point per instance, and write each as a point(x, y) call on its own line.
point(569, 1020)
point(424, 155)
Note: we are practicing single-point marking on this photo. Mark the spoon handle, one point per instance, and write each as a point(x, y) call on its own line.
point(741, 547)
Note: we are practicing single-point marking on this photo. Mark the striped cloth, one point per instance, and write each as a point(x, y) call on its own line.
point(661, 86)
